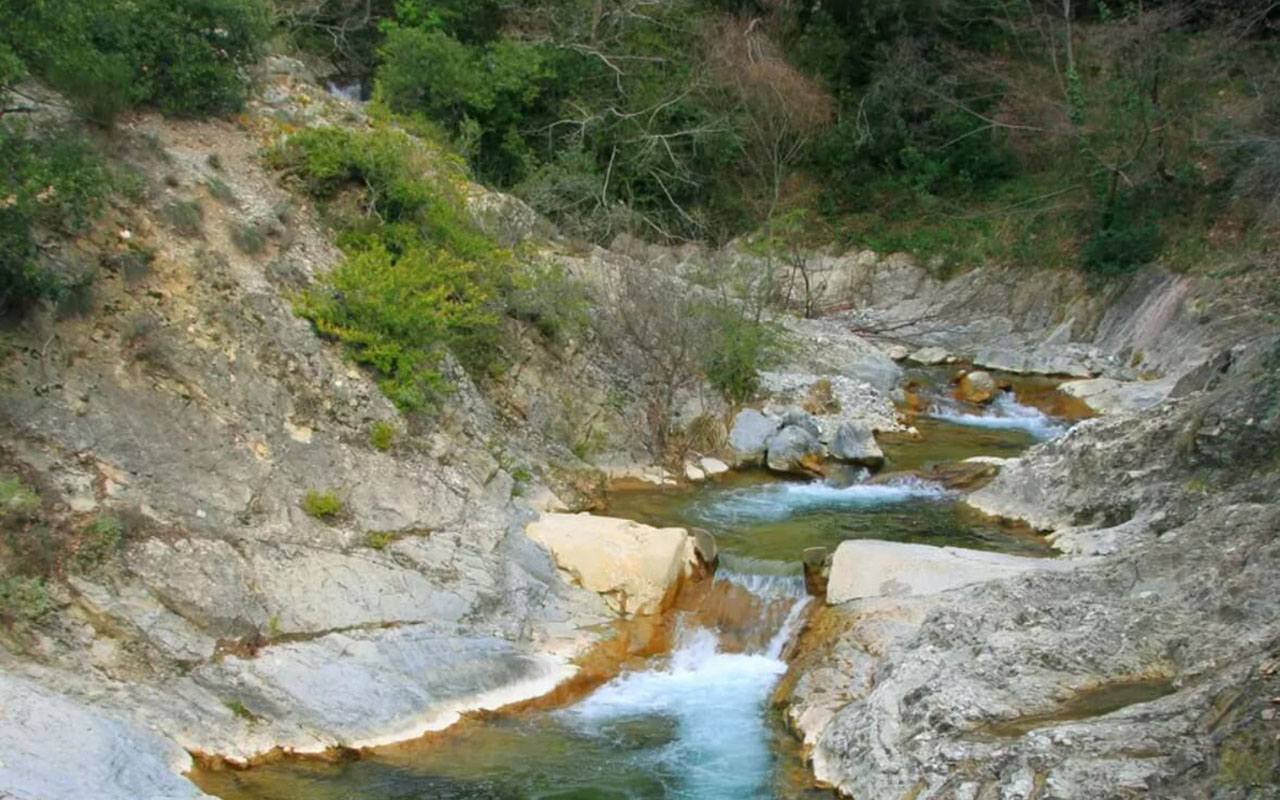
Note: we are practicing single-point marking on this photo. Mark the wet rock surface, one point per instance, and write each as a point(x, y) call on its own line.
point(981, 690)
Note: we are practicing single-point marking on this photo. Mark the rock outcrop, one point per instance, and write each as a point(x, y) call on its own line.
point(750, 434)
point(855, 443)
point(1146, 671)
point(635, 567)
point(795, 449)
point(871, 568)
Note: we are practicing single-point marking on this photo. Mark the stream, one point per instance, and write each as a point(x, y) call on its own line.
point(694, 724)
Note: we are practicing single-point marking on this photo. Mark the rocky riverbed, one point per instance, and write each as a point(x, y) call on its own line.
point(282, 582)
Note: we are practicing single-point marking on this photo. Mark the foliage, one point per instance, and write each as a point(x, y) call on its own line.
point(47, 182)
point(249, 238)
point(99, 540)
point(185, 217)
point(738, 347)
point(322, 504)
point(382, 435)
point(1004, 131)
point(17, 500)
point(549, 298)
point(185, 57)
point(379, 540)
point(419, 278)
point(23, 598)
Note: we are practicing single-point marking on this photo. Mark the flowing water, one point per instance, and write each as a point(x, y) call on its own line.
point(694, 725)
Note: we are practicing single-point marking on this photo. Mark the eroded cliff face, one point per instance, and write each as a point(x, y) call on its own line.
point(194, 410)
point(1146, 671)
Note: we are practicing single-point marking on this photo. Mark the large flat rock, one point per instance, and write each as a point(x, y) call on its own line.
point(633, 566)
point(870, 568)
point(1109, 396)
point(58, 749)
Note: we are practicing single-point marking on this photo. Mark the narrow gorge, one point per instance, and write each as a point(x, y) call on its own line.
point(328, 472)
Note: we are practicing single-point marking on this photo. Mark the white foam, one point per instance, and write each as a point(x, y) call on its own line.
point(781, 500)
point(721, 748)
point(1004, 413)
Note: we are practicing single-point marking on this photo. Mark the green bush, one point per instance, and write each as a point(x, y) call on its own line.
point(419, 278)
point(549, 298)
point(737, 348)
point(23, 598)
point(382, 436)
point(17, 501)
point(99, 541)
point(185, 217)
point(378, 540)
point(1121, 247)
point(185, 57)
point(54, 181)
point(248, 237)
point(321, 504)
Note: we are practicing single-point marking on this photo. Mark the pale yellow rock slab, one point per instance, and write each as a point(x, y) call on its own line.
point(633, 566)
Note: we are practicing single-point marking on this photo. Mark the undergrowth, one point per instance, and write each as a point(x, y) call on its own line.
point(419, 279)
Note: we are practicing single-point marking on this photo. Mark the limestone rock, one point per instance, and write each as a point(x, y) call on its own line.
point(977, 387)
point(794, 449)
point(803, 419)
point(58, 749)
point(749, 437)
point(872, 568)
point(694, 473)
point(713, 466)
point(930, 356)
point(855, 443)
point(897, 352)
point(635, 567)
point(1109, 396)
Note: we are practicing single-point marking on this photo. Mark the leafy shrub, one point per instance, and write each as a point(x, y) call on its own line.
point(185, 217)
point(549, 298)
point(23, 598)
point(382, 436)
point(47, 182)
point(378, 540)
point(17, 500)
point(1121, 247)
point(249, 237)
point(738, 347)
point(419, 278)
point(185, 57)
point(220, 190)
point(99, 541)
point(322, 504)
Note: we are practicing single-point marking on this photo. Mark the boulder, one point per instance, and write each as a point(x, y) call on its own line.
point(897, 352)
point(713, 466)
point(871, 568)
point(855, 443)
point(930, 356)
point(749, 437)
point(634, 567)
point(977, 387)
point(694, 472)
point(794, 449)
point(802, 419)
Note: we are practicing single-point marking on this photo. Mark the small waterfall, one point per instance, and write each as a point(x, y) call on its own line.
point(720, 748)
point(1004, 413)
point(779, 501)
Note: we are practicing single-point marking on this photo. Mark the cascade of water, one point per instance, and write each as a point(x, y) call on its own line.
point(782, 500)
point(716, 698)
point(1005, 412)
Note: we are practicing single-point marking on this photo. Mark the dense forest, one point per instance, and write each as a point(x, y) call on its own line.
point(1070, 133)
